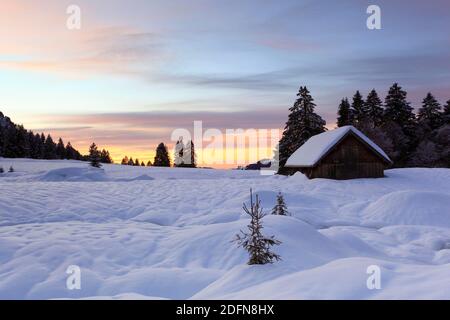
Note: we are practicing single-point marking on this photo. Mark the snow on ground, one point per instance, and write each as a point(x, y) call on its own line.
point(158, 233)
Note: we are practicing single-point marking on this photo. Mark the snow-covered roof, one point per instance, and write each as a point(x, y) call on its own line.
point(317, 146)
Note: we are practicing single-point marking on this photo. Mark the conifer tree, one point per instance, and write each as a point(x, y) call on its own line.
point(94, 156)
point(345, 115)
point(429, 114)
point(162, 156)
point(399, 124)
point(280, 207)
point(1, 170)
point(11, 169)
point(105, 157)
point(257, 245)
point(189, 156)
point(131, 162)
point(137, 163)
point(149, 163)
point(358, 109)
point(60, 150)
point(302, 124)
point(374, 109)
point(397, 108)
point(446, 113)
point(49, 148)
point(125, 161)
point(142, 164)
point(178, 154)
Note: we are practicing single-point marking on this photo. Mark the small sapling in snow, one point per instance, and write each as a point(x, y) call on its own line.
point(280, 208)
point(257, 245)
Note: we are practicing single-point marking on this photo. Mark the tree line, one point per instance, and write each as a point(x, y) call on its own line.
point(410, 139)
point(18, 142)
point(184, 156)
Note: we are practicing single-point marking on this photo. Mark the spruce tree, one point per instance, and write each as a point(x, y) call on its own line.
point(142, 164)
point(149, 163)
point(280, 208)
point(302, 124)
point(374, 109)
point(399, 124)
point(137, 163)
point(131, 162)
point(446, 113)
point(125, 161)
point(60, 150)
point(429, 114)
point(162, 156)
point(345, 116)
point(358, 109)
point(397, 108)
point(256, 244)
point(178, 154)
point(49, 148)
point(189, 156)
point(94, 156)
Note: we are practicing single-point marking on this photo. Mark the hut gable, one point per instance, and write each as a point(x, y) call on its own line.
point(344, 153)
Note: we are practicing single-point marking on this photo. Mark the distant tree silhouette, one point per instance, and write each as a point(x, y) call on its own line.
point(162, 156)
point(345, 115)
point(94, 156)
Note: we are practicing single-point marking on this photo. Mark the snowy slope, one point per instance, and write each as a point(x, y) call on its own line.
point(162, 233)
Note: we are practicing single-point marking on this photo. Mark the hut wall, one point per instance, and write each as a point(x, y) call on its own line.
point(348, 160)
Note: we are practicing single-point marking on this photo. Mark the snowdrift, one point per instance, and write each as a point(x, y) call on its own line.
point(158, 233)
point(410, 208)
point(74, 174)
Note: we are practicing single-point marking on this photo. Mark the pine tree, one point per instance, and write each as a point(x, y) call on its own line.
point(131, 162)
point(94, 156)
point(178, 154)
point(429, 114)
point(256, 244)
point(397, 109)
point(137, 163)
point(105, 157)
point(345, 115)
point(125, 161)
point(374, 109)
point(49, 148)
point(358, 109)
point(189, 156)
point(446, 113)
point(280, 208)
point(60, 150)
point(302, 124)
point(142, 164)
point(399, 124)
point(162, 156)
point(149, 163)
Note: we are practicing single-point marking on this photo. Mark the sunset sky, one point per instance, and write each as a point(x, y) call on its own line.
point(139, 69)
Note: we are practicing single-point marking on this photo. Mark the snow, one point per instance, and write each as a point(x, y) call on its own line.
point(160, 233)
point(317, 146)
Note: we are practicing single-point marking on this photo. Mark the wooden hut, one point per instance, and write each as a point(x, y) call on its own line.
point(343, 153)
